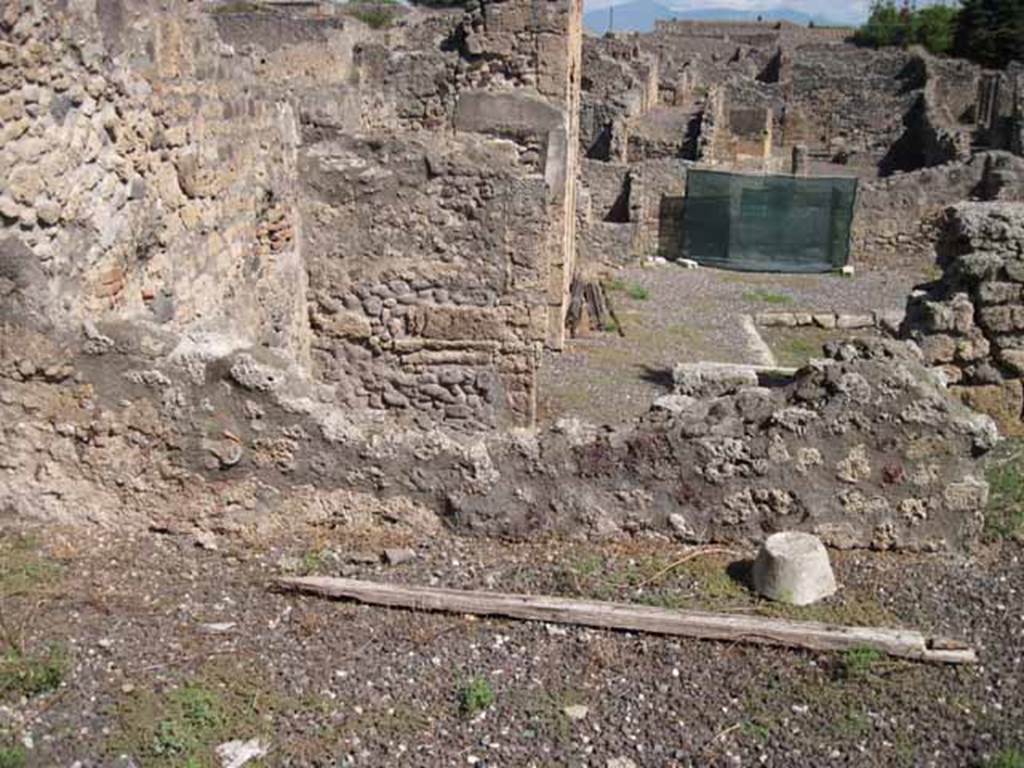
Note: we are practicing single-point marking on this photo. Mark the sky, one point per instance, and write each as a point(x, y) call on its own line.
point(838, 10)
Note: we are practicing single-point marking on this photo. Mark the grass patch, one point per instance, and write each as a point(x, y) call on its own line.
point(850, 609)
point(13, 757)
point(858, 662)
point(1004, 517)
point(757, 730)
point(23, 569)
point(12, 753)
point(193, 716)
point(638, 292)
point(633, 290)
point(643, 578)
point(25, 576)
point(375, 15)
point(182, 726)
point(796, 351)
point(1008, 758)
point(837, 708)
point(313, 562)
point(24, 675)
point(794, 347)
point(767, 297)
point(475, 696)
point(236, 6)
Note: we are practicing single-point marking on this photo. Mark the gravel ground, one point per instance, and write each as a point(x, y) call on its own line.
point(671, 315)
point(166, 647)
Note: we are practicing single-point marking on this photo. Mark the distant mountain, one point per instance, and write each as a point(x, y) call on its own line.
point(640, 15)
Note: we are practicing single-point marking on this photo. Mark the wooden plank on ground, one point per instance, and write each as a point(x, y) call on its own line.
point(903, 643)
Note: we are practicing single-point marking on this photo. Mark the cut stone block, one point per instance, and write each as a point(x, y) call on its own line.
point(793, 568)
point(712, 379)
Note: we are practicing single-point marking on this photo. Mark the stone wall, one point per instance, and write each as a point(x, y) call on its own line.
point(896, 219)
point(145, 178)
point(743, 139)
point(619, 84)
point(392, 211)
point(632, 210)
point(753, 32)
point(864, 448)
point(969, 323)
point(824, 112)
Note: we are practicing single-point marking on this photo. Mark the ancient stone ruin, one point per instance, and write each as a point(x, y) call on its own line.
point(271, 262)
point(968, 323)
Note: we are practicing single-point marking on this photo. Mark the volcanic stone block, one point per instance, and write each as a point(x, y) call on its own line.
point(998, 293)
point(849, 322)
point(793, 568)
point(712, 380)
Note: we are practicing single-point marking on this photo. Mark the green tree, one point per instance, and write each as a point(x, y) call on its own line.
point(886, 25)
point(991, 32)
point(934, 27)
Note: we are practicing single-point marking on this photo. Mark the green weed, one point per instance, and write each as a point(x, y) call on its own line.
point(475, 696)
point(195, 713)
point(372, 14)
point(797, 351)
point(12, 753)
point(638, 292)
point(236, 6)
point(767, 297)
point(1004, 517)
point(1008, 758)
point(312, 562)
point(22, 568)
point(28, 675)
point(545, 712)
point(757, 729)
point(13, 757)
point(858, 662)
point(182, 726)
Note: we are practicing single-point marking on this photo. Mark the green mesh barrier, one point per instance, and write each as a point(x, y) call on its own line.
point(768, 223)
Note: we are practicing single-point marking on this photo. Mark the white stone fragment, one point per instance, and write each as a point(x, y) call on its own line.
point(793, 568)
point(576, 712)
point(235, 754)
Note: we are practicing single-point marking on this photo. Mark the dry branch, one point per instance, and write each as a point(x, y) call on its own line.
point(711, 626)
point(692, 555)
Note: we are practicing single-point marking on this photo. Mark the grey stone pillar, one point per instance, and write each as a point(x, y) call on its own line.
point(800, 160)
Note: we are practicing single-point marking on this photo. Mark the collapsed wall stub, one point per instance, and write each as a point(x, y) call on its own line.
point(865, 448)
point(193, 175)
